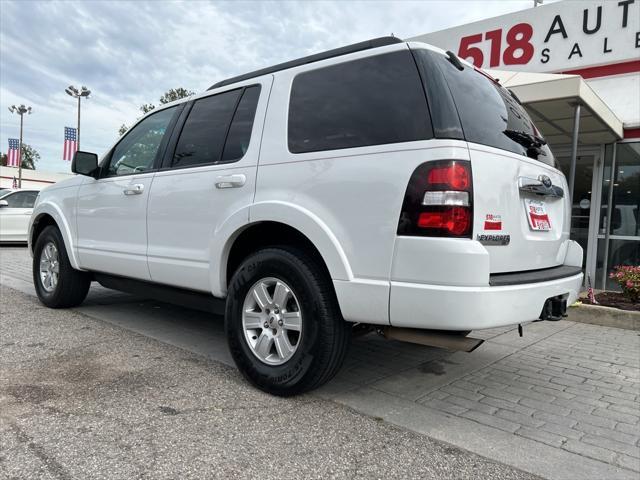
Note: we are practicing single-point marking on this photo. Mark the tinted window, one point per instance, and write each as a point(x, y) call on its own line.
point(21, 199)
point(372, 101)
point(202, 138)
point(137, 151)
point(488, 113)
point(240, 132)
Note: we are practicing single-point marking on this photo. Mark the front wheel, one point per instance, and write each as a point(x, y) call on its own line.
point(57, 283)
point(283, 323)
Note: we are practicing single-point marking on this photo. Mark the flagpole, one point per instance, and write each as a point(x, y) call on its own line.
point(20, 110)
point(78, 93)
point(20, 156)
point(78, 144)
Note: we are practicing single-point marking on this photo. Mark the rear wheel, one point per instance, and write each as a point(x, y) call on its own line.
point(283, 323)
point(57, 283)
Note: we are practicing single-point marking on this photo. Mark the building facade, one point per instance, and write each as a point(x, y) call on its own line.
point(575, 65)
point(30, 178)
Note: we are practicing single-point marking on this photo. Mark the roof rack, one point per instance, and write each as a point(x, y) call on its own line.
point(336, 52)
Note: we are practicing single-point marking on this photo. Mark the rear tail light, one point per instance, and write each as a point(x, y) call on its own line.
point(438, 201)
point(453, 175)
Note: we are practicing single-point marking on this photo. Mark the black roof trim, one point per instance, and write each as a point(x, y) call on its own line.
point(336, 52)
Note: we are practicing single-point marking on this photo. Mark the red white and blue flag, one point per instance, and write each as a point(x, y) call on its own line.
point(13, 155)
point(70, 143)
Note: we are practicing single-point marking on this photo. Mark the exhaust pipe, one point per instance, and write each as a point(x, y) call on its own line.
point(432, 338)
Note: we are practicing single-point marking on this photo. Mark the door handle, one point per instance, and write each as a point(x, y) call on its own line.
point(533, 185)
point(231, 181)
point(134, 189)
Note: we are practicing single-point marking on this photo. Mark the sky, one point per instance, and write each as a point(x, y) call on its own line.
point(130, 53)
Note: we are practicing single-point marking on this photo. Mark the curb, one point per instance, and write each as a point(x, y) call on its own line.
point(604, 316)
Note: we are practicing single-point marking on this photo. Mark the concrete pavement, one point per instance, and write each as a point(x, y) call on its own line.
point(561, 402)
point(80, 398)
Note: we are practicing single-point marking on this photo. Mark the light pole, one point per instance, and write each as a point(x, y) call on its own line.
point(78, 93)
point(20, 110)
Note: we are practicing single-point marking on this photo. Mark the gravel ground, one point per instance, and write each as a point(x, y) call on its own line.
point(83, 399)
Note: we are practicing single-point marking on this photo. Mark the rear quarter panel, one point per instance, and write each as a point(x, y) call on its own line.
point(356, 194)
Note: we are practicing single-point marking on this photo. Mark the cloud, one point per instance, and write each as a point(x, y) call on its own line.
point(130, 53)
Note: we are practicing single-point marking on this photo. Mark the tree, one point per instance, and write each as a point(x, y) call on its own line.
point(175, 94)
point(147, 107)
point(29, 157)
point(168, 97)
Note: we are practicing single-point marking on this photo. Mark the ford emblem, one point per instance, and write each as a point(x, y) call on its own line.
point(546, 181)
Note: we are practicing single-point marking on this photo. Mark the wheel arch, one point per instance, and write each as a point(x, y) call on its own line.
point(46, 215)
point(277, 223)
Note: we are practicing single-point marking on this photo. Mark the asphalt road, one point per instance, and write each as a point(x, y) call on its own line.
point(80, 398)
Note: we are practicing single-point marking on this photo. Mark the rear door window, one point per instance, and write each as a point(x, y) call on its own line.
point(202, 138)
point(218, 128)
point(372, 101)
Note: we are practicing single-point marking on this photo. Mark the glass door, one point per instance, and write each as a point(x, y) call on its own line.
point(582, 198)
point(622, 244)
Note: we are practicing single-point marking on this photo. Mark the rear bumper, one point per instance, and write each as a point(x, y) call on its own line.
point(444, 307)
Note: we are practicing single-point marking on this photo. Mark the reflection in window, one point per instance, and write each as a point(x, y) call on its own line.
point(137, 151)
point(626, 191)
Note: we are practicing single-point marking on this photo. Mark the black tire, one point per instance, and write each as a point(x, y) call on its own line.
point(72, 285)
point(325, 335)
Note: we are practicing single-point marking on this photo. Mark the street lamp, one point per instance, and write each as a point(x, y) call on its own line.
point(78, 93)
point(20, 110)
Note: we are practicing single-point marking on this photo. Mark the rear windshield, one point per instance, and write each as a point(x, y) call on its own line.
point(488, 113)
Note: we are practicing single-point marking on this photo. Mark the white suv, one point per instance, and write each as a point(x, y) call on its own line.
point(386, 184)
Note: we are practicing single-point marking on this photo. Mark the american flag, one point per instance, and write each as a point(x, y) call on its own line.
point(13, 155)
point(70, 143)
point(590, 294)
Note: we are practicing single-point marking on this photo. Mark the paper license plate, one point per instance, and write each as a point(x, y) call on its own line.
point(537, 215)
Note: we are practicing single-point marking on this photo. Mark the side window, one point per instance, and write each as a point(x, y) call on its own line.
point(240, 131)
point(202, 138)
point(371, 101)
point(137, 151)
point(21, 199)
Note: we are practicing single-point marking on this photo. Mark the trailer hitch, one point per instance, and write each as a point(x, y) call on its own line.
point(555, 308)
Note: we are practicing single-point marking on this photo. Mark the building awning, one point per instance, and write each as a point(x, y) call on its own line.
point(551, 98)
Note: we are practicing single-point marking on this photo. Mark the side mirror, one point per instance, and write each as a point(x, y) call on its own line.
point(4, 203)
point(85, 163)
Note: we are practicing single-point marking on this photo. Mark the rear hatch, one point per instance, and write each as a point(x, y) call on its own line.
point(520, 200)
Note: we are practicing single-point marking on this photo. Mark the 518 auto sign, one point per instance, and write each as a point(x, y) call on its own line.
point(555, 37)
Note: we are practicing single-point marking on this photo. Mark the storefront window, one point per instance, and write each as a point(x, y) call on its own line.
point(624, 225)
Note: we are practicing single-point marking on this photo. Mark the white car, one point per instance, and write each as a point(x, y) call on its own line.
point(386, 184)
point(16, 207)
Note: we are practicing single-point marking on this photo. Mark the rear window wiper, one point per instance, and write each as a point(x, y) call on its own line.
point(533, 143)
point(454, 60)
point(525, 139)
